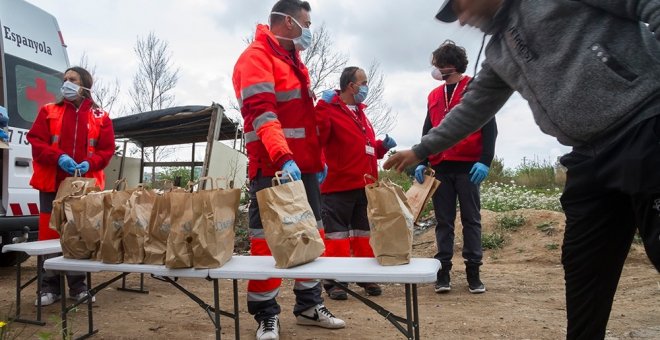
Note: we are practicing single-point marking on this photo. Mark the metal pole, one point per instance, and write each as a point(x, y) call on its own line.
point(141, 165)
point(122, 161)
point(409, 319)
point(237, 330)
point(192, 165)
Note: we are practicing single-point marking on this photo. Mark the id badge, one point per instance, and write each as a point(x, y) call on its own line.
point(370, 150)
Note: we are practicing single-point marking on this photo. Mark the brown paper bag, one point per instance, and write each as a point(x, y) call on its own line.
point(134, 231)
point(179, 249)
point(391, 223)
point(419, 194)
point(289, 223)
point(214, 213)
point(114, 203)
point(74, 229)
point(155, 243)
point(94, 221)
point(66, 189)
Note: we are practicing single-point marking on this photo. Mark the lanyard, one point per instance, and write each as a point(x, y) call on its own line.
point(450, 100)
point(354, 116)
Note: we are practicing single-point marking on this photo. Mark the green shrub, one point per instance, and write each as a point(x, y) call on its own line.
point(492, 240)
point(401, 179)
point(552, 246)
point(510, 222)
point(535, 174)
point(548, 228)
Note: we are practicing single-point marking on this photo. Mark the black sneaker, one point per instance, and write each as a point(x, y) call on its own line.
point(443, 285)
point(336, 293)
point(475, 286)
point(372, 289)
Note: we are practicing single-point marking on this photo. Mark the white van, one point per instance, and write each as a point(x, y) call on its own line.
point(32, 59)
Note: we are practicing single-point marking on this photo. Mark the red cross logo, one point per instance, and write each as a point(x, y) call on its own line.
point(39, 94)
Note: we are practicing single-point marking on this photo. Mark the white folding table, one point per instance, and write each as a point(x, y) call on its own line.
point(263, 267)
point(38, 249)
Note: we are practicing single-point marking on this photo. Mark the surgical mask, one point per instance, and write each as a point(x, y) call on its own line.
point(304, 41)
point(438, 75)
point(71, 91)
point(362, 94)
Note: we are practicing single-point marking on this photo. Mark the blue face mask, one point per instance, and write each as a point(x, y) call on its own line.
point(304, 41)
point(361, 96)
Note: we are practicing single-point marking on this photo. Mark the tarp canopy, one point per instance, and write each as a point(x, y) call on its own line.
point(176, 125)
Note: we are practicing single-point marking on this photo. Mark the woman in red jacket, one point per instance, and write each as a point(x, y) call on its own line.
point(71, 135)
point(351, 151)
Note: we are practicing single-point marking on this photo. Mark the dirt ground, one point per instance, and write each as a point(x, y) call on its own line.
point(525, 299)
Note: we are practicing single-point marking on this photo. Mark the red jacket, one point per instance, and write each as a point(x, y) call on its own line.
point(345, 136)
point(277, 105)
point(469, 149)
point(72, 139)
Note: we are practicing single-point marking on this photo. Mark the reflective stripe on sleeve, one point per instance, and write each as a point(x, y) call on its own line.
point(263, 119)
point(255, 89)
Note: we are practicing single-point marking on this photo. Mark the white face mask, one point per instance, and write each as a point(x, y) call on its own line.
point(71, 91)
point(304, 41)
point(437, 74)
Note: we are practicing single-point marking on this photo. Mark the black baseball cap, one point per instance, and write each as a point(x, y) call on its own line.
point(446, 12)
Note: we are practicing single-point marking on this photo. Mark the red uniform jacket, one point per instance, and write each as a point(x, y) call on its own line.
point(272, 87)
point(349, 146)
point(72, 140)
point(469, 149)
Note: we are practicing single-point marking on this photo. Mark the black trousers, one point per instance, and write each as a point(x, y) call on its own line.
point(459, 186)
point(610, 192)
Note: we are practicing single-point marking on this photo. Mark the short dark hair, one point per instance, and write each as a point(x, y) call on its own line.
point(450, 54)
point(290, 7)
point(347, 77)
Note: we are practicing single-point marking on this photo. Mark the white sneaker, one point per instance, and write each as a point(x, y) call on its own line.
point(81, 296)
point(269, 329)
point(47, 299)
point(321, 317)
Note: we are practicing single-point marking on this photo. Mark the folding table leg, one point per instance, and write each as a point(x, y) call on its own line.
point(18, 290)
point(133, 290)
point(90, 317)
point(415, 311)
point(65, 329)
point(216, 312)
point(40, 269)
point(409, 319)
point(237, 330)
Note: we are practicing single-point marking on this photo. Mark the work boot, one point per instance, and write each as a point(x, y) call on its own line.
point(475, 286)
point(372, 289)
point(321, 317)
point(443, 283)
point(269, 329)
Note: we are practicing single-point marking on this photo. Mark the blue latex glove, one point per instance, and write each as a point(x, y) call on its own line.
point(83, 167)
point(479, 172)
point(419, 173)
point(3, 135)
point(327, 95)
point(291, 168)
point(67, 164)
point(323, 174)
point(389, 142)
point(4, 117)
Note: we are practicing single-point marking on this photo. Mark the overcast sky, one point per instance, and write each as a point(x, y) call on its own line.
point(207, 36)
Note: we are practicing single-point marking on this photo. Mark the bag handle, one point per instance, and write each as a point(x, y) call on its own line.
point(118, 184)
point(202, 181)
point(79, 188)
point(429, 171)
point(77, 173)
point(279, 176)
point(368, 178)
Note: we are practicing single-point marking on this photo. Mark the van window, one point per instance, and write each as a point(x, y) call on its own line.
point(35, 86)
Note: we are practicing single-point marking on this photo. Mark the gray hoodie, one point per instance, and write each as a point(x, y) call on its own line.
point(586, 68)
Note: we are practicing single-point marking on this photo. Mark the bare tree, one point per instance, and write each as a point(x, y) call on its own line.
point(323, 61)
point(325, 65)
point(153, 85)
point(156, 77)
point(105, 94)
point(380, 114)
